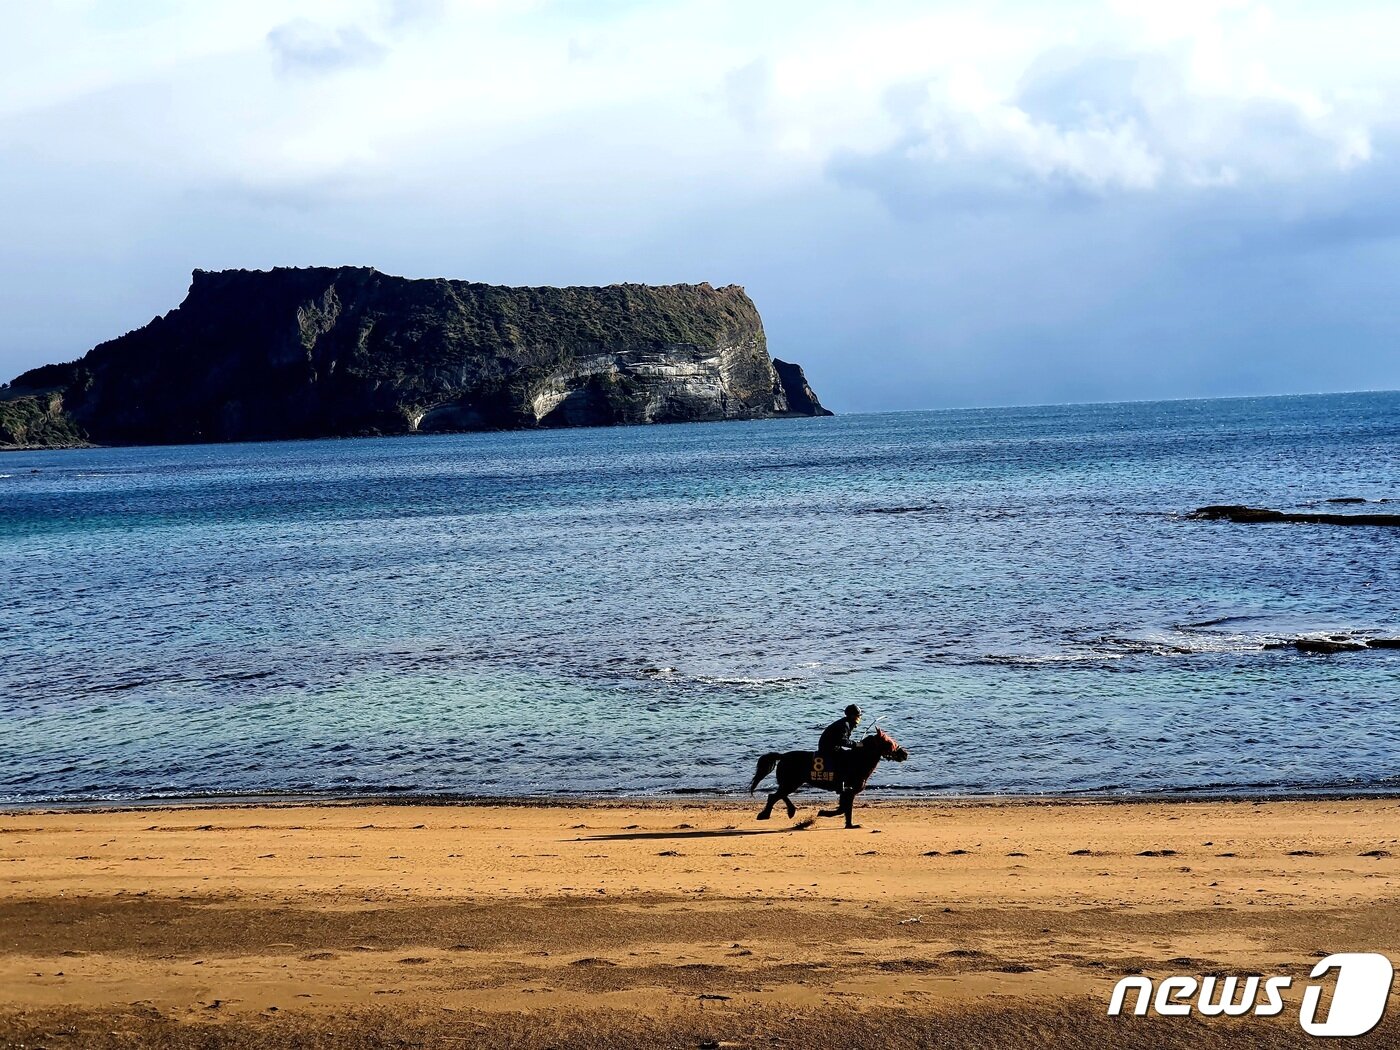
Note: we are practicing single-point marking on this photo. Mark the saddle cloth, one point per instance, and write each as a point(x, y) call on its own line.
point(827, 769)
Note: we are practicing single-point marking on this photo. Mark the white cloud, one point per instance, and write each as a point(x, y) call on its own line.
point(1128, 97)
point(304, 46)
point(1163, 102)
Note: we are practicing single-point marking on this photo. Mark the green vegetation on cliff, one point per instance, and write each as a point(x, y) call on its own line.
point(37, 420)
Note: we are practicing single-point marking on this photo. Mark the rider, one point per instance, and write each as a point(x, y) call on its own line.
point(836, 739)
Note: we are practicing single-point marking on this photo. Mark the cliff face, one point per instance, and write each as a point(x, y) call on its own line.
point(327, 352)
point(37, 421)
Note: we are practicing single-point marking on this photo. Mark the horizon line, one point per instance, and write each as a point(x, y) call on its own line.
point(1120, 401)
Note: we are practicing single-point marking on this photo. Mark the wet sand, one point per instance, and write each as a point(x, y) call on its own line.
point(683, 925)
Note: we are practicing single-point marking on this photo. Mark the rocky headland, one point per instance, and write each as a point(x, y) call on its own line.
point(331, 352)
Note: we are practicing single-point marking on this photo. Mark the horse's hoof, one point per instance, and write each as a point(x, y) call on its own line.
point(852, 827)
point(764, 816)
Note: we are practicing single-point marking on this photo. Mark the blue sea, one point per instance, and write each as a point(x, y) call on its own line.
point(1014, 593)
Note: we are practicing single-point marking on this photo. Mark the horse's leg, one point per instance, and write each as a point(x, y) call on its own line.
point(786, 786)
point(768, 809)
point(848, 802)
point(831, 812)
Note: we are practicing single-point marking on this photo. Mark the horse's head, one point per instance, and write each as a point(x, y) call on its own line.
point(886, 745)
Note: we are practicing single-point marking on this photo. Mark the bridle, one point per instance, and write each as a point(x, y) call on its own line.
point(887, 745)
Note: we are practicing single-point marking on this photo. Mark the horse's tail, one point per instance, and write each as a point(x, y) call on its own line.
point(765, 766)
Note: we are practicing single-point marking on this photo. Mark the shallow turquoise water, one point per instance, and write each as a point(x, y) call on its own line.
point(646, 609)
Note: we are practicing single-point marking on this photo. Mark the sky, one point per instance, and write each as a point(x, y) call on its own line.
point(933, 205)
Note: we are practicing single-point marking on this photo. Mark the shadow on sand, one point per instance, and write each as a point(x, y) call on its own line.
point(724, 833)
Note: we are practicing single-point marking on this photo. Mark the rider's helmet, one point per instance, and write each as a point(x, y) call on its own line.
point(853, 713)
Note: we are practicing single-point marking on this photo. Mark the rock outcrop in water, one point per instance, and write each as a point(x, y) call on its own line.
point(1255, 515)
point(1336, 643)
point(324, 352)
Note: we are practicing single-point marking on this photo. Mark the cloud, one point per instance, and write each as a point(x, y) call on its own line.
point(302, 46)
point(1099, 121)
point(746, 92)
point(408, 13)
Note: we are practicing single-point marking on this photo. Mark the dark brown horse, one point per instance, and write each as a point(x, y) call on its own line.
point(805, 767)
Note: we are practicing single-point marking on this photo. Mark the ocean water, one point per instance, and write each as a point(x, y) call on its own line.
point(645, 610)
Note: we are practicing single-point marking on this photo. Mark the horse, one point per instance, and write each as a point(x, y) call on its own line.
point(805, 767)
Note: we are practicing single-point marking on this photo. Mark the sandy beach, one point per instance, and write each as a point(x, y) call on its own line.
point(683, 925)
